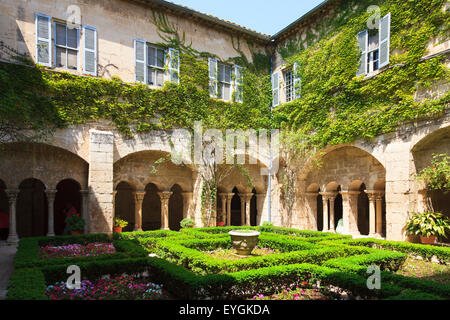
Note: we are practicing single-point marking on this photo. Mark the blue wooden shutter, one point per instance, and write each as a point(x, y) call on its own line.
point(297, 81)
point(43, 40)
point(238, 84)
point(276, 88)
point(90, 50)
point(212, 63)
point(363, 40)
point(385, 35)
point(140, 61)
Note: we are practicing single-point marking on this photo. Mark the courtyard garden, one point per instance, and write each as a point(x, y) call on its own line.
point(205, 263)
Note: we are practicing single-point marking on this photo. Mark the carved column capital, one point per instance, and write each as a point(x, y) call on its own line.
point(51, 194)
point(139, 196)
point(12, 195)
point(165, 195)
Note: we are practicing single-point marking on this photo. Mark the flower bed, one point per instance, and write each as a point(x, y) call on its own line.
point(76, 250)
point(305, 292)
point(118, 288)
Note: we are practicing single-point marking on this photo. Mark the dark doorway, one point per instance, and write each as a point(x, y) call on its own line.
point(124, 205)
point(319, 213)
point(32, 209)
point(175, 208)
point(151, 209)
point(236, 209)
point(68, 195)
point(253, 210)
point(337, 210)
point(363, 211)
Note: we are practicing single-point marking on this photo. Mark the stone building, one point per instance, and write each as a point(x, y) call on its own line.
point(92, 166)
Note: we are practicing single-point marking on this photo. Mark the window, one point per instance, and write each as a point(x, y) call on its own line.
point(155, 65)
point(289, 85)
point(66, 46)
point(224, 89)
point(374, 47)
point(226, 82)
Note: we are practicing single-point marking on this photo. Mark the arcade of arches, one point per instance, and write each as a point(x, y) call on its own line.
point(356, 190)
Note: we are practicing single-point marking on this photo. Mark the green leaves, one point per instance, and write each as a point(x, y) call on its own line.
point(428, 224)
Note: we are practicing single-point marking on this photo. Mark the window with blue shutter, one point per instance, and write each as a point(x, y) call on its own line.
point(90, 50)
point(384, 40)
point(174, 65)
point(363, 40)
point(43, 39)
point(238, 84)
point(297, 81)
point(66, 46)
point(156, 66)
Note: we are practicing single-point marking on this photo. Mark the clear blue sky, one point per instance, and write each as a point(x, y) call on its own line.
point(260, 15)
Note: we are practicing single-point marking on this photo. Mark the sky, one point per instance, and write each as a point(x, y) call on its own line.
point(263, 16)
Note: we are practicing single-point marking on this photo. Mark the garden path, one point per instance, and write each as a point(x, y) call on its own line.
point(7, 254)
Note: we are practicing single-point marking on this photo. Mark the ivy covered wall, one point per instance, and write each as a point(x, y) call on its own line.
point(336, 106)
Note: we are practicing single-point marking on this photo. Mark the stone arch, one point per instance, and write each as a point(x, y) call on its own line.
point(175, 208)
point(32, 209)
point(68, 194)
point(44, 162)
point(437, 143)
point(124, 204)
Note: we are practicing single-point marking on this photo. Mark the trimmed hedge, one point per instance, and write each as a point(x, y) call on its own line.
point(27, 284)
point(145, 234)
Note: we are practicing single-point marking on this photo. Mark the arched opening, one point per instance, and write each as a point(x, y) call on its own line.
point(338, 213)
point(151, 209)
point(4, 212)
point(363, 211)
point(175, 208)
point(319, 212)
point(68, 195)
point(253, 210)
point(125, 205)
point(236, 209)
point(32, 209)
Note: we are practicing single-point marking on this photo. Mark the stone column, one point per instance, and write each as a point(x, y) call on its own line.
point(85, 209)
point(223, 201)
point(325, 211)
point(379, 218)
point(260, 198)
point(101, 161)
point(229, 198)
point(13, 238)
point(187, 203)
point(165, 196)
point(51, 195)
point(242, 197)
point(332, 197)
point(138, 200)
point(350, 211)
point(312, 208)
point(248, 199)
point(372, 197)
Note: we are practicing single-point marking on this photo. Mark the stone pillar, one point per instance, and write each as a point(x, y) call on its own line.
point(187, 204)
point(223, 201)
point(101, 160)
point(248, 199)
point(350, 211)
point(372, 197)
point(165, 197)
point(51, 195)
point(13, 238)
point(332, 197)
point(312, 209)
point(325, 211)
point(229, 198)
point(260, 198)
point(138, 200)
point(379, 217)
point(85, 209)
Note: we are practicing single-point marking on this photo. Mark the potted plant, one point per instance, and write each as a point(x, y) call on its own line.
point(187, 223)
point(428, 225)
point(119, 224)
point(75, 224)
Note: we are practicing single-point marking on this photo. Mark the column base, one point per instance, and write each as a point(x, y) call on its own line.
point(138, 229)
point(50, 234)
point(12, 240)
point(165, 229)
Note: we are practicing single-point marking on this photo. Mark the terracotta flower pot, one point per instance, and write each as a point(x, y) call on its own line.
point(220, 224)
point(117, 229)
point(428, 240)
point(76, 233)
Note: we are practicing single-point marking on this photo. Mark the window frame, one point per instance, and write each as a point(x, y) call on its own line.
point(66, 47)
point(148, 66)
point(220, 84)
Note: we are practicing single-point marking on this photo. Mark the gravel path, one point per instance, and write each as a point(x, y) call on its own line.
point(7, 254)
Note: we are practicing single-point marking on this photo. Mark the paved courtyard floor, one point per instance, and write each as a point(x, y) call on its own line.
point(7, 254)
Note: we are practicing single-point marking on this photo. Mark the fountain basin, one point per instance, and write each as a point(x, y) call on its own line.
point(244, 241)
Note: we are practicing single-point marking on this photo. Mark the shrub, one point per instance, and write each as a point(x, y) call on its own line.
point(118, 222)
point(428, 224)
point(187, 223)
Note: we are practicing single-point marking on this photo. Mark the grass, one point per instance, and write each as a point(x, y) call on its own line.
point(425, 270)
point(231, 254)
